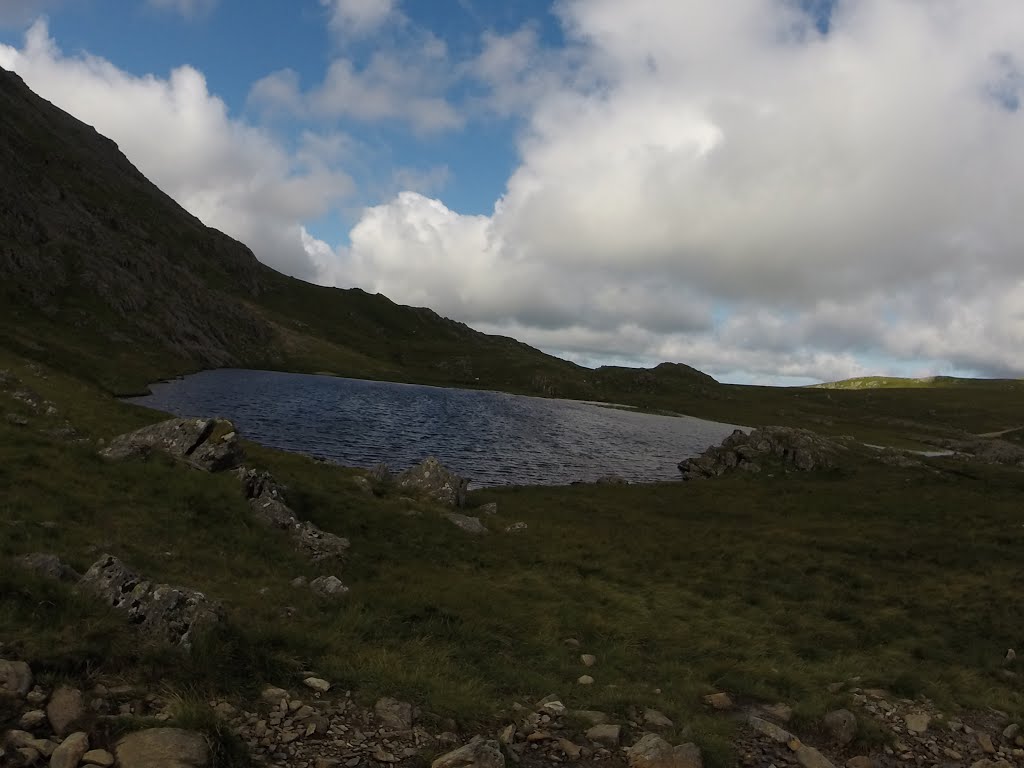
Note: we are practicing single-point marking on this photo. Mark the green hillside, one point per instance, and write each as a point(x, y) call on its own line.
point(882, 572)
point(929, 382)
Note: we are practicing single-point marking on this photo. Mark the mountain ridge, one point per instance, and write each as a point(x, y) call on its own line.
point(106, 275)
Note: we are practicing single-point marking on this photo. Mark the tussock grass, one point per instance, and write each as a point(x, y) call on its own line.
point(770, 587)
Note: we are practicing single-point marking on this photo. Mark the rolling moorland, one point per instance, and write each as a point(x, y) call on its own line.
point(884, 588)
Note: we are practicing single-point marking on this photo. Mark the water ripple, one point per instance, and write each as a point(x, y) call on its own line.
point(491, 437)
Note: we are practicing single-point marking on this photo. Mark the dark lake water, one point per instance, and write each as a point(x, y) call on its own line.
point(491, 438)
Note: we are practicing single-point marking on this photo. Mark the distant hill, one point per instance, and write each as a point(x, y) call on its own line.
point(104, 275)
point(929, 382)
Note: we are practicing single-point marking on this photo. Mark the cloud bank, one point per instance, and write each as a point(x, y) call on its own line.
point(725, 185)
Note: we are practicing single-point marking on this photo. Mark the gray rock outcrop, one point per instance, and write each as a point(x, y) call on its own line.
point(257, 484)
point(431, 479)
point(328, 586)
point(318, 544)
point(478, 753)
point(798, 448)
point(469, 524)
point(48, 565)
point(394, 714)
point(208, 444)
point(267, 499)
point(987, 450)
point(652, 751)
point(163, 748)
point(171, 614)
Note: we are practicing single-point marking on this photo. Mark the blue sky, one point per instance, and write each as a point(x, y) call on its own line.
point(776, 191)
point(236, 43)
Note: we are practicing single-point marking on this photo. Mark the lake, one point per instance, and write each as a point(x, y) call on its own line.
point(492, 438)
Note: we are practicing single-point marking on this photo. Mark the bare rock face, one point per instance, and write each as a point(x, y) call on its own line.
point(207, 444)
point(163, 748)
point(172, 614)
point(478, 753)
point(799, 448)
point(431, 479)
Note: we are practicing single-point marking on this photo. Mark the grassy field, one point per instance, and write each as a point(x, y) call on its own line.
point(770, 587)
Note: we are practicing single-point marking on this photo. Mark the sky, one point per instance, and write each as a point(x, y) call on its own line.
point(772, 191)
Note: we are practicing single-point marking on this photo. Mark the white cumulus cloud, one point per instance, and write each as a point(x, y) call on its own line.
point(724, 184)
point(190, 9)
point(357, 18)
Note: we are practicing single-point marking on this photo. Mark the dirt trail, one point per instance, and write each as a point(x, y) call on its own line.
point(1000, 433)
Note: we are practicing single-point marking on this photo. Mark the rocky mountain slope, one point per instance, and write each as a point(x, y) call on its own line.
point(104, 274)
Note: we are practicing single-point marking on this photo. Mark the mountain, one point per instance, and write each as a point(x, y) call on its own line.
point(105, 275)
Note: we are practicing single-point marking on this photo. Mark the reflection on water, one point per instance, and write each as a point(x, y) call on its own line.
point(490, 437)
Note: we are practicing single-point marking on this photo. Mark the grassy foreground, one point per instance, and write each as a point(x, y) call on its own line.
point(770, 587)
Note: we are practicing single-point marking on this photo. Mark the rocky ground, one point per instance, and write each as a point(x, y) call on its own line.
point(318, 726)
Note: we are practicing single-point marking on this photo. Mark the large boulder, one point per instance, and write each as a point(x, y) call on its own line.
point(48, 565)
point(328, 586)
point(15, 678)
point(394, 714)
point(431, 479)
point(317, 544)
point(478, 753)
point(652, 751)
point(842, 725)
point(793, 447)
point(163, 748)
point(65, 710)
point(171, 614)
point(15, 682)
point(70, 751)
point(208, 444)
point(469, 524)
